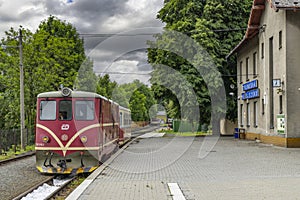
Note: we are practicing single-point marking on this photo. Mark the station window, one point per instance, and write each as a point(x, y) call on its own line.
point(255, 114)
point(262, 50)
point(254, 65)
point(280, 105)
point(241, 72)
point(280, 39)
point(48, 110)
point(263, 106)
point(241, 115)
point(248, 115)
point(65, 110)
point(247, 69)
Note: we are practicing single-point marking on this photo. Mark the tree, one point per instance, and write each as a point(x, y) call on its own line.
point(86, 77)
point(10, 78)
point(127, 95)
point(105, 86)
point(230, 17)
point(58, 53)
point(54, 58)
point(137, 106)
point(200, 21)
point(51, 56)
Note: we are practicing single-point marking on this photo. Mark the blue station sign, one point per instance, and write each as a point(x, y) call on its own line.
point(251, 94)
point(250, 85)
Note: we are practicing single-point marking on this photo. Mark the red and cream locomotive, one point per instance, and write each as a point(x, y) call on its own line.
point(76, 131)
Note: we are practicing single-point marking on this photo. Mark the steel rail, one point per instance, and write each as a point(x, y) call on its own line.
point(18, 157)
point(58, 190)
point(34, 187)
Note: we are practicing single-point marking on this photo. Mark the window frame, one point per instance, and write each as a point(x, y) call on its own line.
point(41, 108)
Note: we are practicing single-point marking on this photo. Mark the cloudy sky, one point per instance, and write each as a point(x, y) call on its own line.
point(133, 22)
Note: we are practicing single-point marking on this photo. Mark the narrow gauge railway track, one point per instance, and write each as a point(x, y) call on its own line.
point(19, 157)
point(47, 181)
point(47, 194)
point(19, 174)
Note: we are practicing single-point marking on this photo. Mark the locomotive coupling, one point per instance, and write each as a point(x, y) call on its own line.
point(63, 163)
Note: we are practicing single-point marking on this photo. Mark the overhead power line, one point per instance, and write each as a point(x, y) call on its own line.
point(149, 73)
point(139, 34)
point(124, 73)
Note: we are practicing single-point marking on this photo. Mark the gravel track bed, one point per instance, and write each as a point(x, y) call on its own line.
point(18, 176)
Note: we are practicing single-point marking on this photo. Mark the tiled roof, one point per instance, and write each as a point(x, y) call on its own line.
point(286, 4)
point(257, 9)
point(254, 20)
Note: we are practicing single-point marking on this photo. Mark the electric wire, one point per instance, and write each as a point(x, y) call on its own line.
point(105, 35)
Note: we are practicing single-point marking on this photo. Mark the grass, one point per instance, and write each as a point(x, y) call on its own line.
point(12, 154)
point(185, 134)
point(71, 187)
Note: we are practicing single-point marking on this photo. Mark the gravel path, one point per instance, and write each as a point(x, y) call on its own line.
point(17, 177)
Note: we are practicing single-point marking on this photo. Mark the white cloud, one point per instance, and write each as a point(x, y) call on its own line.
point(88, 16)
point(125, 71)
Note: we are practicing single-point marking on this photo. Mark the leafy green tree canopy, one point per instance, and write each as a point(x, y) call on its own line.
point(215, 25)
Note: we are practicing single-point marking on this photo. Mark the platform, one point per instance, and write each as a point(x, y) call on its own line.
point(168, 168)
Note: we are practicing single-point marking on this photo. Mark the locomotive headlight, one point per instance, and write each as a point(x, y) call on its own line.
point(83, 139)
point(46, 139)
point(66, 92)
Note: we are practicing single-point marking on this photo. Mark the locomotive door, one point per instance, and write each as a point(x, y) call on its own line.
point(101, 132)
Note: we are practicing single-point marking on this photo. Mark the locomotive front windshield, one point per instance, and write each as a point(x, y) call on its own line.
point(65, 110)
point(48, 110)
point(84, 110)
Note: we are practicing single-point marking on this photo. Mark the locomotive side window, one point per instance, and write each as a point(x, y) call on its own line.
point(84, 110)
point(48, 110)
point(65, 110)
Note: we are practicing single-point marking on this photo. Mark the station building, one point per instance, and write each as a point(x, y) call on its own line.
point(268, 73)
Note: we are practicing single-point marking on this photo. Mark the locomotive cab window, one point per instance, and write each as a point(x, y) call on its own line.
point(84, 110)
point(65, 110)
point(48, 110)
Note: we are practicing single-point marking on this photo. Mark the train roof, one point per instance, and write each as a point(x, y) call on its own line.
point(125, 109)
point(73, 94)
point(58, 94)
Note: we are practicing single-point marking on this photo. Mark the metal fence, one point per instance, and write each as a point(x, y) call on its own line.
point(11, 139)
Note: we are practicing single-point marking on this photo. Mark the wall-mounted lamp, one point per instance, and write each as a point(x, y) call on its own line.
point(262, 28)
point(279, 90)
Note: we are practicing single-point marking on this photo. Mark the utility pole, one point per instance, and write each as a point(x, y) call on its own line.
point(22, 115)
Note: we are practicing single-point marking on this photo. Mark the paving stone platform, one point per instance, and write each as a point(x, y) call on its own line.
point(231, 169)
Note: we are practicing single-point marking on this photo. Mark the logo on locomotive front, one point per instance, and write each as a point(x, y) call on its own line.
point(65, 127)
